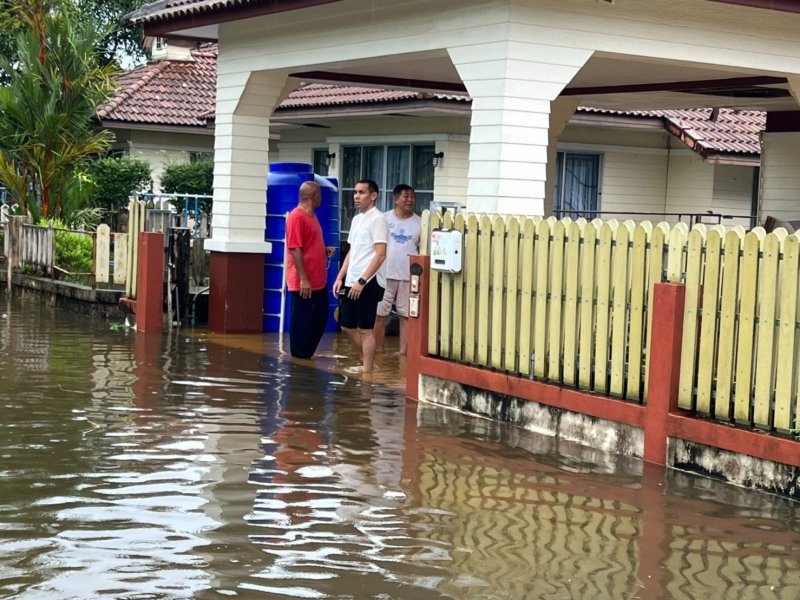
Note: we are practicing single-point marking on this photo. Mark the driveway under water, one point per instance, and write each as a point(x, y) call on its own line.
point(190, 465)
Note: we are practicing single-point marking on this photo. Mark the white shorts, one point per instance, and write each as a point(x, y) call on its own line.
point(396, 294)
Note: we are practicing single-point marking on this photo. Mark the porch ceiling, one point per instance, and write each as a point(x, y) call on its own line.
point(606, 81)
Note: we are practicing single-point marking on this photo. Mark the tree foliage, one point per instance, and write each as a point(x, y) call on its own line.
point(113, 180)
point(190, 178)
point(47, 133)
point(115, 42)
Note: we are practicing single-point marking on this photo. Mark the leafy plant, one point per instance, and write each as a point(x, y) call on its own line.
point(86, 219)
point(195, 178)
point(74, 250)
point(74, 253)
point(55, 84)
point(113, 180)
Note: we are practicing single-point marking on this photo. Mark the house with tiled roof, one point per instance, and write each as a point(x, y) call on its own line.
point(638, 163)
point(163, 112)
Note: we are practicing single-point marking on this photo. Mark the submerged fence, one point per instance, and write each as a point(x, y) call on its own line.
point(568, 302)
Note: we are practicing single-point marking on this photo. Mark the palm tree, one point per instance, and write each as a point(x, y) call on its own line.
point(47, 133)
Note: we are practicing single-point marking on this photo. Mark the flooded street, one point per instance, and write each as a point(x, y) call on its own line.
point(191, 465)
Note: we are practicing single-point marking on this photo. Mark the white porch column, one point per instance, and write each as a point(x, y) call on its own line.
point(512, 85)
point(245, 103)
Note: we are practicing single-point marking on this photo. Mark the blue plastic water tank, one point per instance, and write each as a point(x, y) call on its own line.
point(283, 187)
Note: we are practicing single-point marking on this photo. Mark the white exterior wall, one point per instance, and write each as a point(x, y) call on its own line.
point(633, 181)
point(450, 177)
point(162, 148)
point(690, 185)
point(733, 193)
point(780, 177)
point(159, 159)
point(297, 152)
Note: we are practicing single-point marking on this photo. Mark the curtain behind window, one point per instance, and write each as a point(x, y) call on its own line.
point(576, 189)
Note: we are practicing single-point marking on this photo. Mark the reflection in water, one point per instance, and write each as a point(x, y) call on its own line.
point(198, 466)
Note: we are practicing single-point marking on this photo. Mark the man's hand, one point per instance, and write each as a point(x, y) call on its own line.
point(355, 291)
point(305, 288)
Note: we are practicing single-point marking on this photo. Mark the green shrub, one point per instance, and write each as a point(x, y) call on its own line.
point(196, 178)
point(114, 180)
point(74, 253)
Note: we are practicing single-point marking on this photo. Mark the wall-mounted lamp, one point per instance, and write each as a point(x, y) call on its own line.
point(329, 158)
point(437, 158)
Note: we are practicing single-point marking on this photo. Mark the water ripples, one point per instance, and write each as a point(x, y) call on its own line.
point(179, 466)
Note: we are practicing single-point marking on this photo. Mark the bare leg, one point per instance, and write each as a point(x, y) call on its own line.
point(354, 337)
point(380, 332)
point(368, 349)
point(403, 322)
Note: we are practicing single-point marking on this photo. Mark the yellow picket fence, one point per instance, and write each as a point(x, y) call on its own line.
point(568, 302)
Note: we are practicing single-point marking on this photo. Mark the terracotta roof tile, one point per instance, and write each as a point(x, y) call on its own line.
point(322, 94)
point(734, 131)
point(167, 92)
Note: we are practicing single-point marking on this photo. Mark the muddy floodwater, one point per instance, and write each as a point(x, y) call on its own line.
point(193, 465)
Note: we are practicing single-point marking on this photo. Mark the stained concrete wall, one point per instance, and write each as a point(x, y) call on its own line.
point(610, 437)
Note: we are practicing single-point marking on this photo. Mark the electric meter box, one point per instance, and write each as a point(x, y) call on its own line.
point(446, 250)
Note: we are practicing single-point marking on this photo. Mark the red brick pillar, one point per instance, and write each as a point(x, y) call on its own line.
point(236, 297)
point(665, 364)
point(150, 283)
point(418, 330)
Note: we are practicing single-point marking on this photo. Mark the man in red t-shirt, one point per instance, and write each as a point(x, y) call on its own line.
point(306, 265)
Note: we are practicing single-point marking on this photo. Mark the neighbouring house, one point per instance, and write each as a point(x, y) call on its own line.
point(163, 112)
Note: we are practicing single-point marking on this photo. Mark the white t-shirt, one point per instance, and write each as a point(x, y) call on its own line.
point(366, 230)
point(403, 242)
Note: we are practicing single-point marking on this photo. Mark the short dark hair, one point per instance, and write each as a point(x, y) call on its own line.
point(371, 185)
point(400, 188)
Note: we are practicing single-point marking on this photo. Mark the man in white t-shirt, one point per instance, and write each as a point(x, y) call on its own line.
point(404, 230)
point(362, 278)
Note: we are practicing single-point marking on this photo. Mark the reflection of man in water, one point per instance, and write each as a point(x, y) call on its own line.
point(306, 265)
point(404, 232)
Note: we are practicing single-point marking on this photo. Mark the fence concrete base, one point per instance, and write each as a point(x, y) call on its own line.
point(739, 469)
point(600, 434)
point(68, 296)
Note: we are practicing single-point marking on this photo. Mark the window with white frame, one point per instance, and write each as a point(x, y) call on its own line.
point(577, 185)
point(388, 166)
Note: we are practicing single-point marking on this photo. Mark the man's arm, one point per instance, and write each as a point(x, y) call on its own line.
point(305, 284)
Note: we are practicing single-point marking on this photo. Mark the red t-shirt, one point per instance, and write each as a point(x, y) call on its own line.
point(303, 231)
